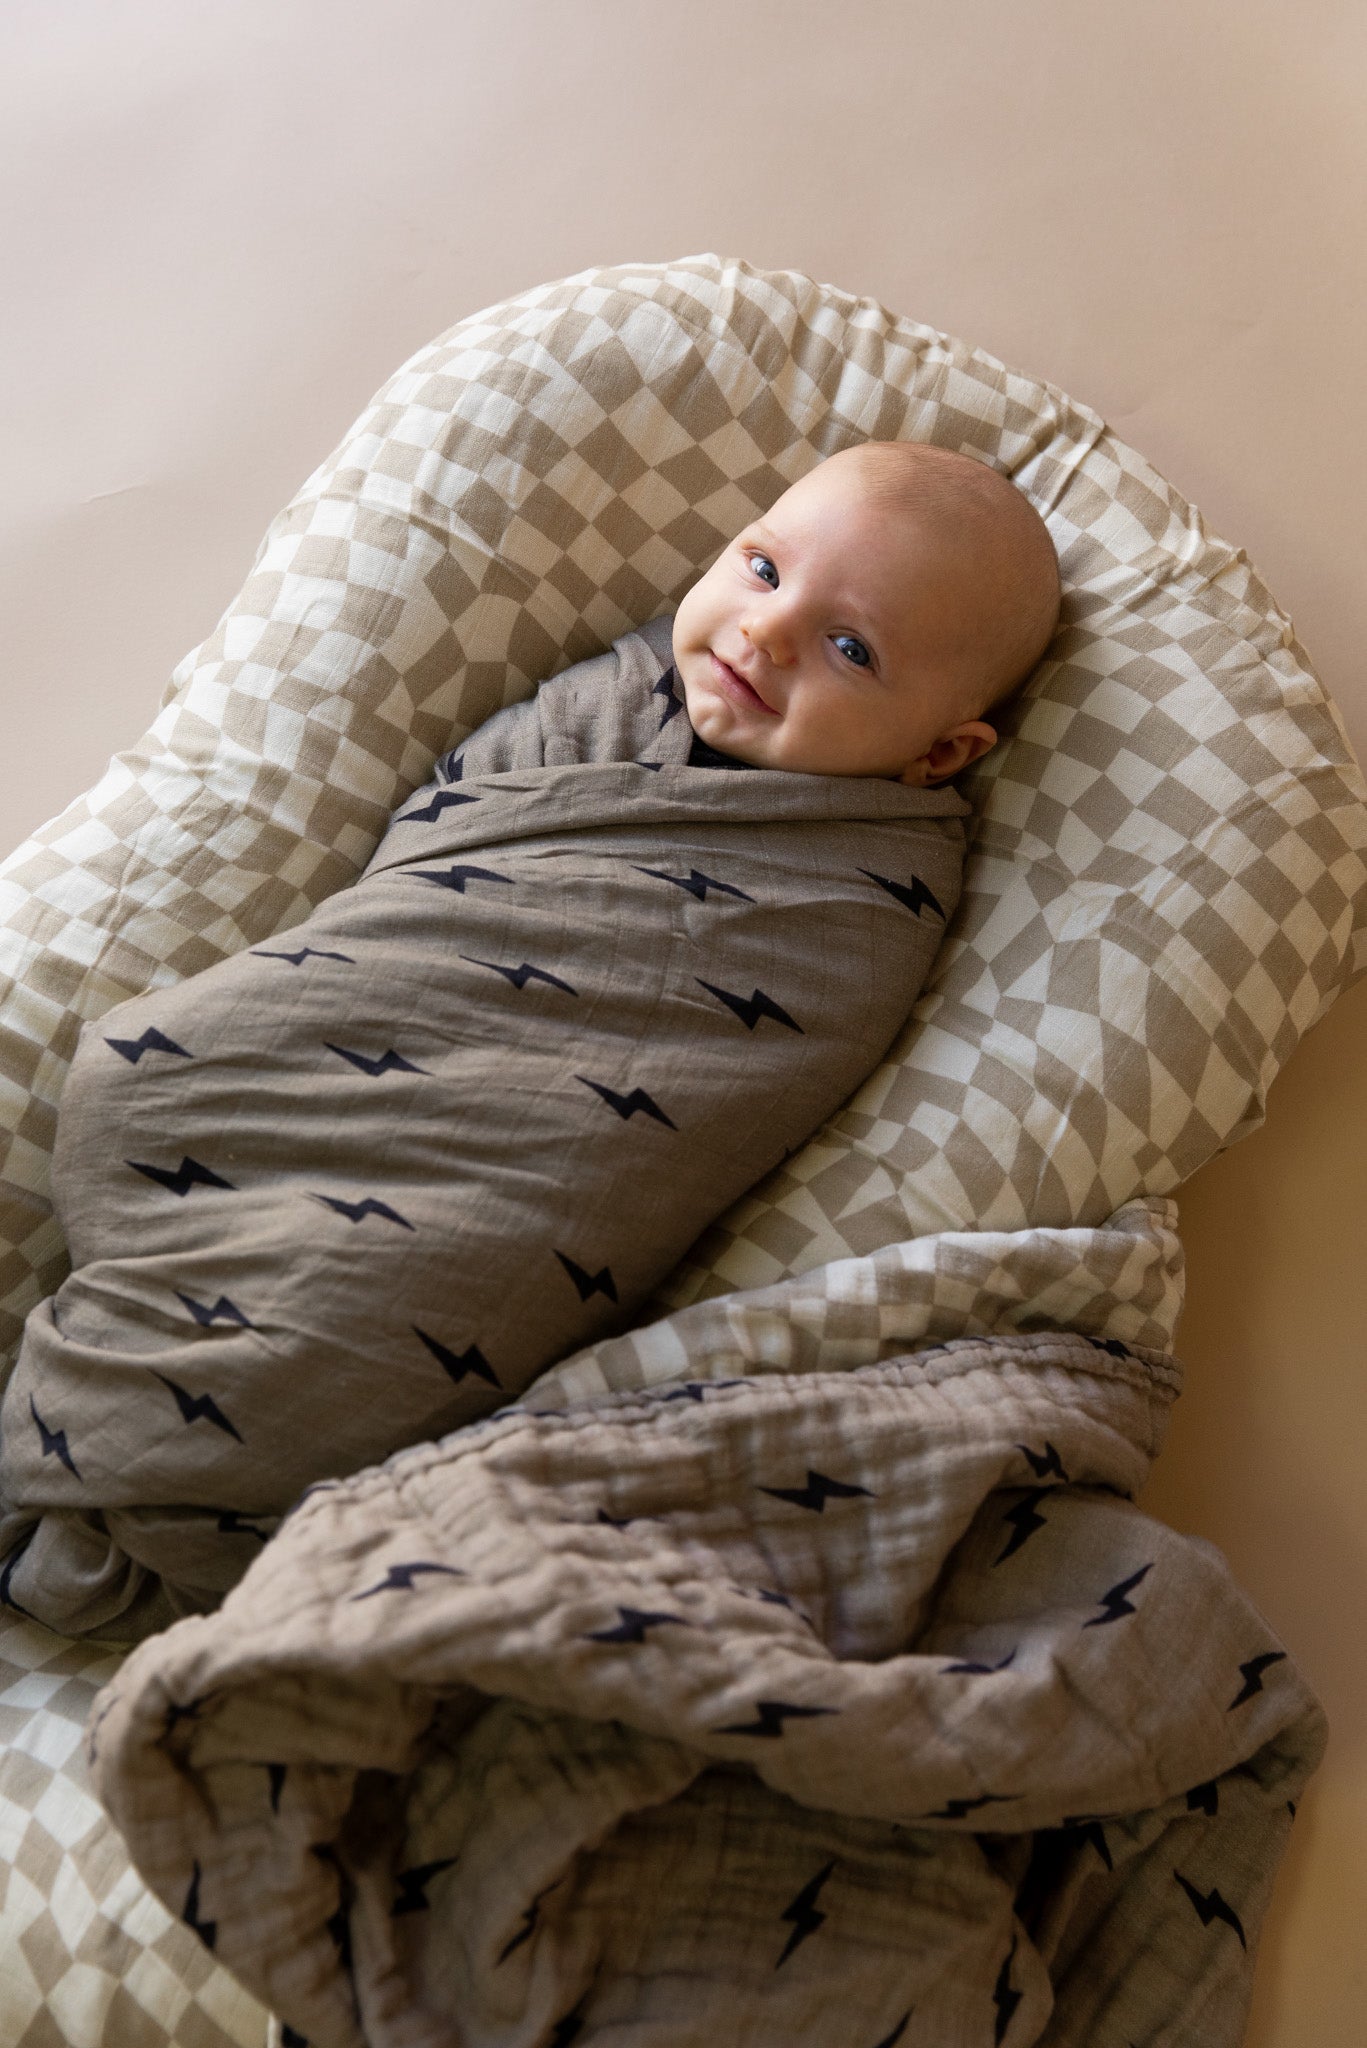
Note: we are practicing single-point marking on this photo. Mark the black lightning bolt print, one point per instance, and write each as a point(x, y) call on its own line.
point(356, 1212)
point(413, 1886)
point(1204, 1799)
point(196, 1407)
point(1111, 1344)
point(7, 1598)
point(1046, 1464)
point(520, 976)
point(632, 1626)
point(232, 1523)
point(1252, 1676)
point(802, 1914)
point(390, 1062)
point(626, 1106)
point(457, 1364)
point(1210, 1906)
point(673, 703)
point(589, 1284)
point(1004, 1998)
point(1024, 1522)
point(752, 1007)
point(428, 813)
point(818, 1490)
point(770, 1717)
point(207, 1930)
point(304, 953)
point(914, 896)
point(1114, 1603)
point(972, 1666)
point(176, 1713)
point(53, 1441)
point(275, 1777)
point(696, 883)
point(891, 2040)
point(399, 1577)
point(690, 1390)
point(959, 1809)
point(456, 876)
point(152, 1040)
point(179, 1180)
point(223, 1311)
point(619, 1521)
point(529, 1920)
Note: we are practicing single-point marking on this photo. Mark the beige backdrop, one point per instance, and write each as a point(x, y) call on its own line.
point(222, 226)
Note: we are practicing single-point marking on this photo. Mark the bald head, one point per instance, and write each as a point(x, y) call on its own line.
point(991, 551)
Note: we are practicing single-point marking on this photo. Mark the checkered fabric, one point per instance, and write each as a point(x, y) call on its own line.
point(88, 1958)
point(1167, 886)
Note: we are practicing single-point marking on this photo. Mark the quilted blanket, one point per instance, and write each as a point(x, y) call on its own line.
point(772, 1705)
point(350, 1189)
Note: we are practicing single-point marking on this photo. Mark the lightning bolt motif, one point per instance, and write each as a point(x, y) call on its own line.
point(1023, 1521)
point(529, 1919)
point(1252, 1676)
point(750, 1008)
point(588, 1284)
point(818, 1490)
point(632, 1626)
point(413, 1886)
point(458, 1364)
point(802, 1914)
point(1046, 1465)
point(304, 953)
point(451, 767)
point(207, 1930)
point(399, 1578)
point(7, 1598)
point(673, 704)
point(356, 1212)
point(428, 813)
point(1114, 1604)
point(193, 1407)
point(1004, 1998)
point(696, 883)
point(179, 1180)
point(456, 876)
point(914, 896)
point(390, 1062)
point(691, 1390)
point(972, 1666)
point(231, 1523)
point(223, 1311)
point(1111, 1344)
point(959, 1809)
point(520, 976)
point(1211, 1906)
point(626, 1106)
point(53, 1441)
point(152, 1040)
point(770, 1717)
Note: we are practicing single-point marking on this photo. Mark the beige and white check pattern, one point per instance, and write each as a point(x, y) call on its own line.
point(1167, 885)
point(88, 1958)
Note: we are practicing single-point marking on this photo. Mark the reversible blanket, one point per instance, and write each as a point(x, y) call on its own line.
point(349, 1190)
point(824, 1696)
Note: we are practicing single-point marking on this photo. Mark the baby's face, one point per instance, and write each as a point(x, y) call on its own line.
point(825, 639)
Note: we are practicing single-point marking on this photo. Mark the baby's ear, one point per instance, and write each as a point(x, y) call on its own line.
point(949, 755)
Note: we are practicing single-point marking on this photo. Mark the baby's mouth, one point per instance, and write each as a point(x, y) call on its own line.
point(737, 688)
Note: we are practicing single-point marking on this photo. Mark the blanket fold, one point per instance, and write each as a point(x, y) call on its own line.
point(832, 1707)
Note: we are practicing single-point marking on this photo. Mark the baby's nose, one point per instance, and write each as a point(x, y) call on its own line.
point(766, 632)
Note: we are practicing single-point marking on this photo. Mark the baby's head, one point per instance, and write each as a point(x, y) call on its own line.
point(874, 615)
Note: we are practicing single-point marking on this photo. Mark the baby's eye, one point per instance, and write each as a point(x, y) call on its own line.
point(853, 649)
point(765, 570)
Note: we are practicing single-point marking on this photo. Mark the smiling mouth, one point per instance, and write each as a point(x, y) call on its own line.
point(738, 689)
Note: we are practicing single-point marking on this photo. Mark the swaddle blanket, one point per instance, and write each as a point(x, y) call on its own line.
point(833, 1708)
point(352, 1188)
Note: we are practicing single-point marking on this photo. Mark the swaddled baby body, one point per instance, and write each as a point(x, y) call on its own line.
point(641, 934)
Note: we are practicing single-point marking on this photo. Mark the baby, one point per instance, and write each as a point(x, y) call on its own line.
point(640, 936)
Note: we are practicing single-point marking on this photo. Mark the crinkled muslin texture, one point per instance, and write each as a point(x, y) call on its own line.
point(344, 1193)
point(1165, 889)
point(1166, 883)
point(768, 1709)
